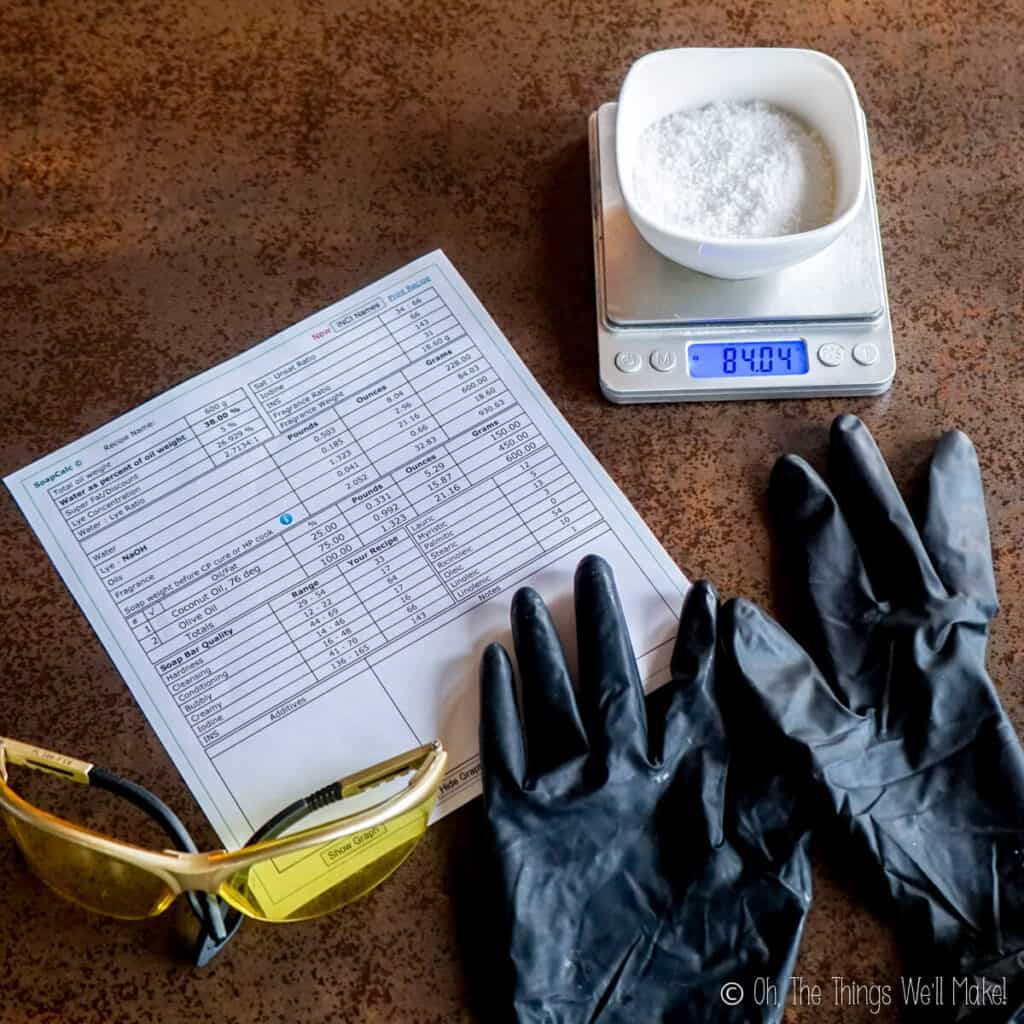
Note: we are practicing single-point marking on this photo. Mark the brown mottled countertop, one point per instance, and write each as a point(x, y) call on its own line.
point(181, 180)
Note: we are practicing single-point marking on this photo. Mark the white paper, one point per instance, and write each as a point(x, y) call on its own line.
point(296, 558)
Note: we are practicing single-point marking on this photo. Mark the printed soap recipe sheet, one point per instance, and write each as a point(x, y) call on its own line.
point(296, 558)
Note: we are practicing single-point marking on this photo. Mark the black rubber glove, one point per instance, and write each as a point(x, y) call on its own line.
point(896, 715)
point(640, 868)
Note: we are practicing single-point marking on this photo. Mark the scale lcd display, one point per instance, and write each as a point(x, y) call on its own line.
point(747, 359)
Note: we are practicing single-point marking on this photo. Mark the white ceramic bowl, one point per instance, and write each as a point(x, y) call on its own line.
point(808, 84)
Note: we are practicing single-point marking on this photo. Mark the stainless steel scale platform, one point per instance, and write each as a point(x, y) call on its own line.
point(668, 334)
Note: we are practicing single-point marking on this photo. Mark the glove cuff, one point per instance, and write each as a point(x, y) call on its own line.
point(993, 991)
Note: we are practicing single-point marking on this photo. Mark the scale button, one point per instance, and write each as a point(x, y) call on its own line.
point(831, 354)
point(628, 362)
point(663, 360)
point(866, 353)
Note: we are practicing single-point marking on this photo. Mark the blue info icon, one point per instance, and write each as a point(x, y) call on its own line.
point(287, 519)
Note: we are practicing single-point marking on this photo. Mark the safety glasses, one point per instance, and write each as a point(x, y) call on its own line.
point(274, 877)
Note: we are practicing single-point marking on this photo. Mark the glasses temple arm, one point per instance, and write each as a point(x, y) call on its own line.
point(207, 944)
point(206, 909)
point(351, 785)
point(147, 802)
point(294, 812)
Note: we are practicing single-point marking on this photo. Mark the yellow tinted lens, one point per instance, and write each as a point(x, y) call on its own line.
point(323, 878)
point(92, 879)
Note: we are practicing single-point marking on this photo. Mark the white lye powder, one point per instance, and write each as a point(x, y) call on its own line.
point(734, 170)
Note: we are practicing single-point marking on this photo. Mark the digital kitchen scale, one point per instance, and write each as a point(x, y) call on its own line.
point(668, 334)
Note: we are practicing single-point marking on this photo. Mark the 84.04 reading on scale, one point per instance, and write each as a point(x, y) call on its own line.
point(668, 334)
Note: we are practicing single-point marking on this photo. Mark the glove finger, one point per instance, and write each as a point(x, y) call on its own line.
point(821, 554)
point(783, 678)
point(955, 529)
point(502, 758)
point(694, 651)
point(683, 710)
point(889, 542)
point(683, 717)
point(611, 694)
point(554, 731)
